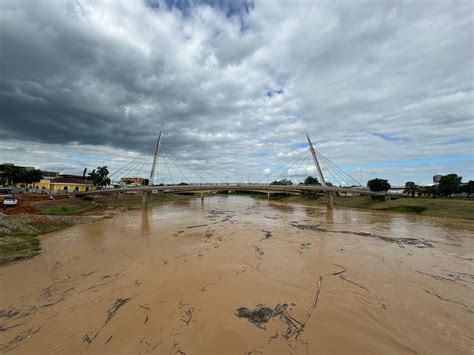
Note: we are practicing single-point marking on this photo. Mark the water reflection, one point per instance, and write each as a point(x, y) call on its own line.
point(145, 225)
point(330, 216)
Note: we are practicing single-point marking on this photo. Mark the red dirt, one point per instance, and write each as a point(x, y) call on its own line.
point(26, 203)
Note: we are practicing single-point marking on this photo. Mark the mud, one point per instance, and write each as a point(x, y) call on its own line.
point(238, 276)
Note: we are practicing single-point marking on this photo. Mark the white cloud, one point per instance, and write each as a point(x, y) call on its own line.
point(369, 81)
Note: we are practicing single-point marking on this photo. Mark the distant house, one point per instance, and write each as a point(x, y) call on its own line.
point(66, 183)
point(48, 175)
point(132, 181)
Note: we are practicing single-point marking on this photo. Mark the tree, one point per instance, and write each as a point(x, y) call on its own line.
point(99, 177)
point(449, 184)
point(467, 187)
point(33, 176)
point(310, 180)
point(427, 191)
point(378, 185)
point(13, 174)
point(282, 182)
point(410, 188)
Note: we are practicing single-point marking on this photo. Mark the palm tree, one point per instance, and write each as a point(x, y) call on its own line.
point(99, 176)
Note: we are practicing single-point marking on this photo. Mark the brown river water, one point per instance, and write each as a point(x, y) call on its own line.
point(170, 280)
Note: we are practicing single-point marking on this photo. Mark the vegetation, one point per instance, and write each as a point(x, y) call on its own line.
point(71, 210)
point(449, 184)
point(282, 182)
point(410, 188)
point(467, 188)
point(378, 185)
point(99, 176)
point(310, 180)
point(19, 175)
point(23, 242)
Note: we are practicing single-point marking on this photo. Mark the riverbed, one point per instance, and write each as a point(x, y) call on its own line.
point(173, 279)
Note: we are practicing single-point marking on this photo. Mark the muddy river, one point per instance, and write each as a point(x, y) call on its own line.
point(239, 276)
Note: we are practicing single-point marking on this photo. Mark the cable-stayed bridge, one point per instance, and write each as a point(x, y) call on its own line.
point(178, 175)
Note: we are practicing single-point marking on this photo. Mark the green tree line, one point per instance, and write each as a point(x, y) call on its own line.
point(17, 175)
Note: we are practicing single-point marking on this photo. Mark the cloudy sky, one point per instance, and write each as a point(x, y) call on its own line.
point(384, 88)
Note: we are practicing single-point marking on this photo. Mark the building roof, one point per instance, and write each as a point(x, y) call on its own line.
point(70, 180)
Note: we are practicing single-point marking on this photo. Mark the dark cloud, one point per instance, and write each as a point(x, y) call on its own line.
point(370, 81)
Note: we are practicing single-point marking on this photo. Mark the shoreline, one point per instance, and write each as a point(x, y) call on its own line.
point(20, 230)
point(418, 206)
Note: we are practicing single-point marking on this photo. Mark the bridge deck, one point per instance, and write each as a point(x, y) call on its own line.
point(235, 187)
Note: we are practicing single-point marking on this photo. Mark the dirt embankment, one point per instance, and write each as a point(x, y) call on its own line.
point(37, 214)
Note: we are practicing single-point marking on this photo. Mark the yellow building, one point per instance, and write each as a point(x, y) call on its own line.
point(69, 184)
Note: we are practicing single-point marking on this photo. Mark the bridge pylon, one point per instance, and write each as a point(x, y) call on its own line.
point(329, 195)
point(152, 172)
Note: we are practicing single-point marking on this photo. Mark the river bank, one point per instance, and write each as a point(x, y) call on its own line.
point(439, 207)
point(35, 215)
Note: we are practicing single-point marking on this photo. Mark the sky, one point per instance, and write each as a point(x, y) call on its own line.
point(383, 88)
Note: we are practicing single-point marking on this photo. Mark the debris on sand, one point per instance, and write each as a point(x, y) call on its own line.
point(119, 302)
point(419, 243)
point(262, 314)
point(304, 246)
point(258, 250)
point(268, 235)
point(187, 316)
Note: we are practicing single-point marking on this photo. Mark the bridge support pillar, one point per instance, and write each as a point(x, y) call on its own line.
point(202, 196)
point(329, 200)
point(268, 196)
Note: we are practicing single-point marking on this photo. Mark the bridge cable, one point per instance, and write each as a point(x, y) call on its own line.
point(184, 176)
point(146, 161)
point(336, 174)
point(335, 166)
point(339, 169)
point(333, 174)
point(129, 163)
point(187, 167)
point(181, 159)
point(305, 159)
point(132, 167)
point(280, 166)
point(169, 173)
point(285, 174)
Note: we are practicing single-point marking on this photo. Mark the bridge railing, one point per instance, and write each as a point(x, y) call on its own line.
point(238, 187)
